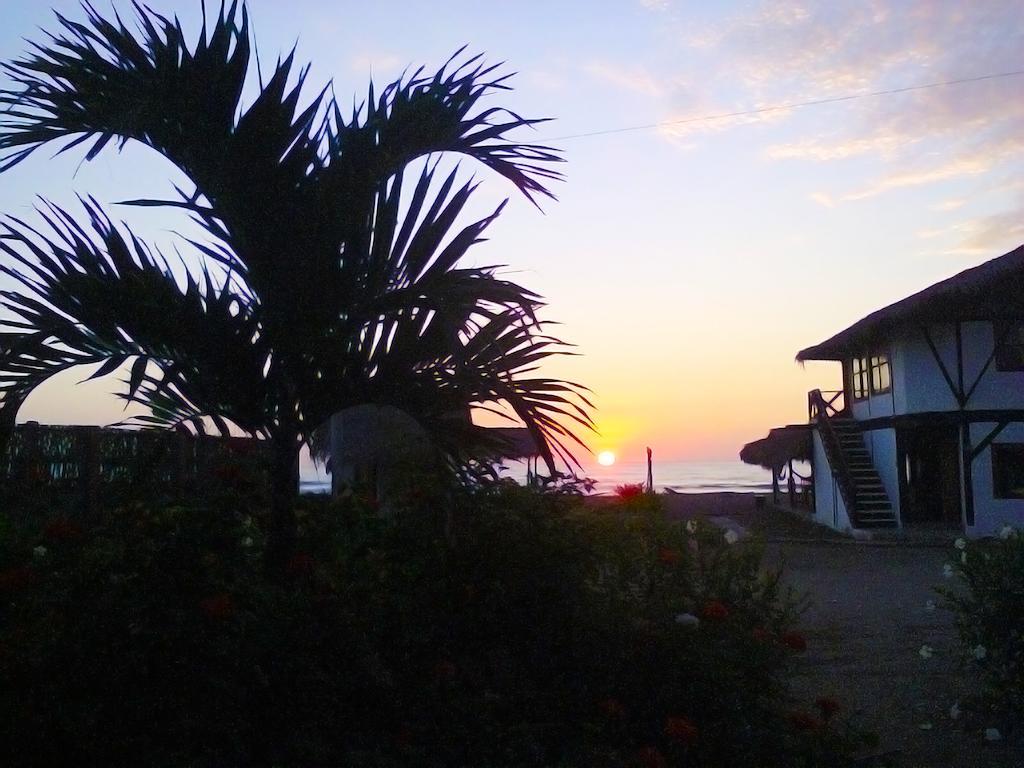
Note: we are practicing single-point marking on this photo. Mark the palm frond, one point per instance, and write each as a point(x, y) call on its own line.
point(97, 296)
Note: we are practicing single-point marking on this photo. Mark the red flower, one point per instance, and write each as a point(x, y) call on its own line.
point(761, 635)
point(827, 706)
point(669, 556)
point(217, 607)
point(13, 579)
point(804, 721)
point(300, 564)
point(629, 491)
point(681, 730)
point(612, 708)
point(62, 530)
point(715, 611)
point(651, 757)
point(795, 641)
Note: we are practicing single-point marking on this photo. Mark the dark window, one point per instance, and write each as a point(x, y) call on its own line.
point(859, 376)
point(1010, 346)
point(1008, 470)
point(881, 379)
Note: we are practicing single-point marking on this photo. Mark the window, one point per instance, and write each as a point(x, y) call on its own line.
point(859, 377)
point(1008, 470)
point(881, 380)
point(1010, 346)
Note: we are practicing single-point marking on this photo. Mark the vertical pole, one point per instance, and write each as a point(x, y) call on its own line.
point(775, 485)
point(960, 365)
point(650, 473)
point(967, 465)
point(792, 486)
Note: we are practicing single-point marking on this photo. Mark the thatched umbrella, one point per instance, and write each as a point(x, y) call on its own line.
point(779, 449)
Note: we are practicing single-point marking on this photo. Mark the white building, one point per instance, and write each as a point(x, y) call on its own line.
point(929, 426)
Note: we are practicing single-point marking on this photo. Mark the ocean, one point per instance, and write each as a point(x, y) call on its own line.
point(682, 476)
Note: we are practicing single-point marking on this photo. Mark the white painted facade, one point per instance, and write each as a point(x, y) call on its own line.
point(919, 388)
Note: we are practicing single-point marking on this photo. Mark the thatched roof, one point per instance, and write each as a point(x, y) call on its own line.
point(779, 447)
point(516, 442)
point(990, 291)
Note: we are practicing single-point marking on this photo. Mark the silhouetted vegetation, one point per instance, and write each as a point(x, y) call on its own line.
point(331, 264)
point(502, 628)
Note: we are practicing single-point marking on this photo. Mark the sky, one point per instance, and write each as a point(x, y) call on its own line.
point(687, 262)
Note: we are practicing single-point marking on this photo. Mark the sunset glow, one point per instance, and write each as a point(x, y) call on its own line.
point(606, 458)
point(686, 301)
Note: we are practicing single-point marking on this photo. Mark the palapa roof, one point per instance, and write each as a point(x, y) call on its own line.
point(990, 291)
point(515, 442)
point(780, 446)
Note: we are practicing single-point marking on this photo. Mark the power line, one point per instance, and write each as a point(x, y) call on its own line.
point(780, 107)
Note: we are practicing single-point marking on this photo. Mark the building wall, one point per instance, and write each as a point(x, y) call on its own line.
point(829, 508)
point(991, 514)
point(918, 383)
point(881, 444)
point(922, 387)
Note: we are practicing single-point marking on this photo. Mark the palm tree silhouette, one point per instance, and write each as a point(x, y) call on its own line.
point(331, 273)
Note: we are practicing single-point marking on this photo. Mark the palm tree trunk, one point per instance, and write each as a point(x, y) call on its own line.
point(284, 487)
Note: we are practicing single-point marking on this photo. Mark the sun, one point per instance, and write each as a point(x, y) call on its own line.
point(606, 458)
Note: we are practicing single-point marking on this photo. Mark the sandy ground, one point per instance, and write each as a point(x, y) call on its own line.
point(865, 625)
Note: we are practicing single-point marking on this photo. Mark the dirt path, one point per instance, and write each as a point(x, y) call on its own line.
point(865, 626)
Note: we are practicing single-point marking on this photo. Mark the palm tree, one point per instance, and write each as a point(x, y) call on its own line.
point(331, 272)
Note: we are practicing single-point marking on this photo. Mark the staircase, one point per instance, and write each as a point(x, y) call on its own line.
point(870, 507)
point(863, 493)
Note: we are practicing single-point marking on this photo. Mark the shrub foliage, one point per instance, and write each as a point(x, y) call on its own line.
point(517, 628)
point(988, 603)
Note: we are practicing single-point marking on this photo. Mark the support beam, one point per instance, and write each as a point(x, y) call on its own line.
point(997, 342)
point(957, 395)
point(967, 464)
point(960, 363)
point(987, 441)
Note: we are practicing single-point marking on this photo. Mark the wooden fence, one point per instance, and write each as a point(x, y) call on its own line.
point(86, 466)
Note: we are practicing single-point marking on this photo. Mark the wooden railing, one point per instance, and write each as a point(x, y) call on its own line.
point(83, 466)
point(829, 402)
point(821, 406)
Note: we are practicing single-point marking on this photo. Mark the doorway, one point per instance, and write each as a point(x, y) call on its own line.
point(930, 475)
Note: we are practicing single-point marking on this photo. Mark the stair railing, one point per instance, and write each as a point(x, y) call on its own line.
point(819, 409)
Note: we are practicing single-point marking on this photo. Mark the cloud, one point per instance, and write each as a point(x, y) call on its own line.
point(993, 234)
point(655, 5)
point(918, 177)
point(634, 79)
point(787, 52)
point(949, 205)
point(823, 198)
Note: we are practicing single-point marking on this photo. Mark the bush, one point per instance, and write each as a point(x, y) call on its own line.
point(516, 629)
point(989, 607)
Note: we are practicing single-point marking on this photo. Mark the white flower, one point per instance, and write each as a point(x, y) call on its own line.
point(731, 537)
point(980, 652)
point(960, 544)
point(247, 542)
point(947, 571)
point(40, 551)
point(954, 711)
point(992, 734)
point(1006, 532)
point(687, 620)
point(691, 526)
point(929, 606)
point(926, 652)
